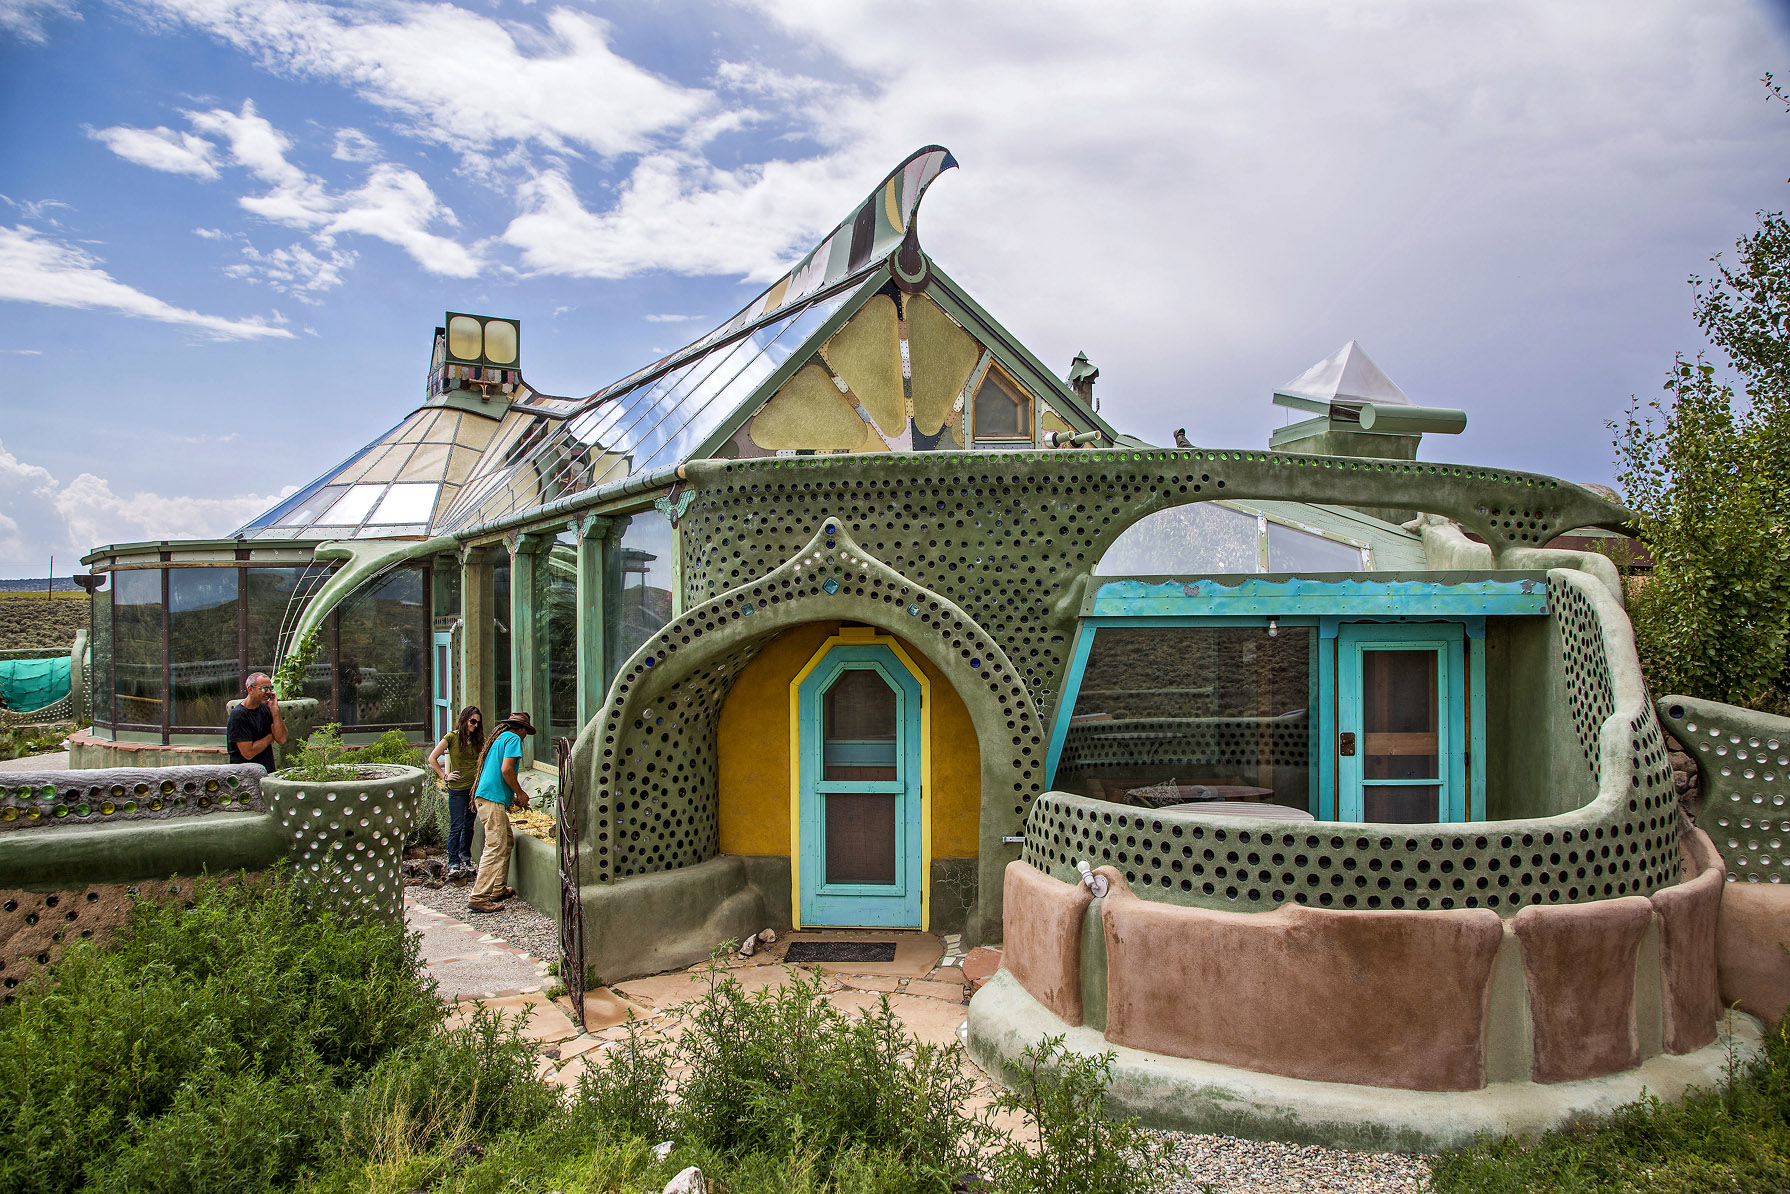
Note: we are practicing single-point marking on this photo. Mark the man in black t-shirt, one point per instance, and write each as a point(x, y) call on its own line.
point(255, 724)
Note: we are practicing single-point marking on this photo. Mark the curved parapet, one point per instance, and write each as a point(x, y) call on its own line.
point(1622, 840)
point(1743, 757)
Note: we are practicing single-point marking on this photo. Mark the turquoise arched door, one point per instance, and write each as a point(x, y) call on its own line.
point(859, 790)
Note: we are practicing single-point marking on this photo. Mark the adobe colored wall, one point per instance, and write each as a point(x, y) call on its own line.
point(753, 753)
point(1579, 961)
point(1397, 999)
point(1691, 1001)
point(1043, 938)
point(1753, 948)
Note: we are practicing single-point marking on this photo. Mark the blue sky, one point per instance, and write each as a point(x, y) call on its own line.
point(228, 227)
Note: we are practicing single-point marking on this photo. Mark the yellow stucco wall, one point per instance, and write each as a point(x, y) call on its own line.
point(754, 753)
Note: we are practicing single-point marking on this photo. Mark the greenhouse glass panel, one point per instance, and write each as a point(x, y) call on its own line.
point(354, 506)
point(1292, 550)
point(406, 503)
point(269, 600)
point(556, 638)
point(99, 679)
point(383, 652)
point(1200, 539)
point(641, 582)
point(137, 646)
point(203, 667)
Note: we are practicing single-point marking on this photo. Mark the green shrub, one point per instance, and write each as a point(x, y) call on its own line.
point(391, 747)
point(202, 1044)
point(783, 1069)
point(1079, 1150)
point(321, 759)
point(627, 1091)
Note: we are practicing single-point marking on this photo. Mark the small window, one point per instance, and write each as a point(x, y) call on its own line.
point(1292, 550)
point(1003, 410)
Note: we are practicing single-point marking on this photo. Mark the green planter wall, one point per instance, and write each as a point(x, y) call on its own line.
point(345, 839)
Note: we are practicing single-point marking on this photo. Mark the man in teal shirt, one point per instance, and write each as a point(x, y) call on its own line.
point(498, 785)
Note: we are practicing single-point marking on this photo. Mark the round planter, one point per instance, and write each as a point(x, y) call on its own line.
point(346, 838)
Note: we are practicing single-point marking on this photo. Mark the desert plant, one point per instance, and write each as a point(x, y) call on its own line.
point(321, 759)
point(1080, 1150)
point(628, 1089)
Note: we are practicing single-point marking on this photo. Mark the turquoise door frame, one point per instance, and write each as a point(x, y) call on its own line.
point(1447, 641)
point(442, 699)
point(872, 905)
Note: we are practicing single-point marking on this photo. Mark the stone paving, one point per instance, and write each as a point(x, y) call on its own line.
point(924, 984)
point(54, 761)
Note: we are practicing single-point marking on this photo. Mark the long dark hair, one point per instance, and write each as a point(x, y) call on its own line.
point(496, 732)
point(473, 739)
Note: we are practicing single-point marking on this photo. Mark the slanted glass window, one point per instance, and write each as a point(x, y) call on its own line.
point(1003, 409)
point(1185, 540)
point(1192, 714)
point(1293, 550)
point(137, 651)
point(202, 645)
point(556, 638)
point(641, 575)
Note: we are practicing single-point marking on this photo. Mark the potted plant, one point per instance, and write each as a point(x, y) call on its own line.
point(345, 823)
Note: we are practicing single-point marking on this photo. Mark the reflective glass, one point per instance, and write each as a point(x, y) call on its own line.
point(269, 600)
point(383, 634)
point(556, 639)
point(1200, 539)
point(352, 509)
point(203, 668)
point(500, 341)
point(406, 503)
point(1003, 411)
point(1179, 714)
point(1293, 550)
point(99, 640)
point(500, 636)
point(1399, 715)
point(137, 645)
point(465, 337)
point(641, 574)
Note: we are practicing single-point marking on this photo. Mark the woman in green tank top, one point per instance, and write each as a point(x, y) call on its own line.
point(461, 745)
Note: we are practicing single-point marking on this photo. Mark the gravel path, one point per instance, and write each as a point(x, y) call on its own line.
point(517, 923)
point(1228, 1165)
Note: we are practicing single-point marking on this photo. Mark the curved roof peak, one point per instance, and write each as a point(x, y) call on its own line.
point(866, 238)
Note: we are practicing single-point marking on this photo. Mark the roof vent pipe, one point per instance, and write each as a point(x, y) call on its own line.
point(1083, 373)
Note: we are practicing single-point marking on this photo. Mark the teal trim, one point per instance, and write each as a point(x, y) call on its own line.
point(1324, 745)
point(873, 905)
point(442, 643)
point(1078, 663)
point(1476, 795)
point(1338, 596)
point(1445, 639)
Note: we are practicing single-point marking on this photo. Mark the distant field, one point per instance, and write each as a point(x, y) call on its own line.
point(34, 620)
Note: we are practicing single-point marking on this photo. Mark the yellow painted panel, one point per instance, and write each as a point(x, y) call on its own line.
point(753, 746)
point(867, 353)
point(1050, 420)
point(809, 412)
point(941, 356)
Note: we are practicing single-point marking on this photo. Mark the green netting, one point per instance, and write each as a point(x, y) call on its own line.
point(28, 684)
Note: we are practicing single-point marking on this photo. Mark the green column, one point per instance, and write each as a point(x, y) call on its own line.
point(478, 641)
point(593, 658)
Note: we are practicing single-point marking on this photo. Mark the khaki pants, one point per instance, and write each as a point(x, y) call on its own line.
point(494, 863)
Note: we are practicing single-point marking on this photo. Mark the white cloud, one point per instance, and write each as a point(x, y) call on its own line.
point(437, 67)
point(670, 318)
point(26, 19)
point(394, 204)
point(161, 149)
point(37, 269)
point(294, 270)
point(69, 519)
point(352, 145)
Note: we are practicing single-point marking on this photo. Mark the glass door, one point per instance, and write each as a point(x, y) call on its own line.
point(860, 791)
point(1401, 740)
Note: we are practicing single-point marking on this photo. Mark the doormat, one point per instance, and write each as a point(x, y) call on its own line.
point(840, 951)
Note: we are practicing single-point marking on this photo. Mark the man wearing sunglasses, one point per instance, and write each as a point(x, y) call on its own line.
point(255, 725)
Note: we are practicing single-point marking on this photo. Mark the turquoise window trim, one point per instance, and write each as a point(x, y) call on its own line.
point(896, 904)
point(1447, 639)
point(1306, 596)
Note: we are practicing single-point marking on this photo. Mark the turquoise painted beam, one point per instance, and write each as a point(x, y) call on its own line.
point(365, 560)
point(1259, 597)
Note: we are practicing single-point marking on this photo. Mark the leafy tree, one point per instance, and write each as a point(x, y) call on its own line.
point(1707, 472)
